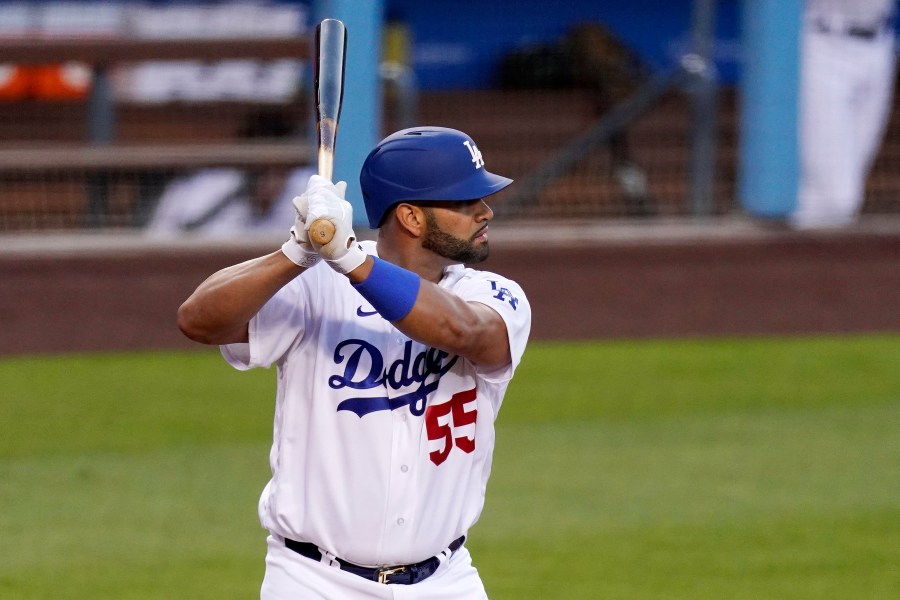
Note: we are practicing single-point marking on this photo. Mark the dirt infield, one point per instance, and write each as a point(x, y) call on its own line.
point(582, 286)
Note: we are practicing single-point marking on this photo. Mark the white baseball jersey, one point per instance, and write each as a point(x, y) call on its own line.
point(382, 446)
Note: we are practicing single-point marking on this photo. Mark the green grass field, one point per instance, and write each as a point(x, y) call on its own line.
point(694, 469)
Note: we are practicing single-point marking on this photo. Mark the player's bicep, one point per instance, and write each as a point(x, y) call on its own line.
point(238, 335)
point(443, 320)
point(492, 349)
point(507, 302)
point(276, 327)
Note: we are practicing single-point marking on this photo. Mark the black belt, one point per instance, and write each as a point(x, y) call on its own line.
point(401, 574)
point(858, 31)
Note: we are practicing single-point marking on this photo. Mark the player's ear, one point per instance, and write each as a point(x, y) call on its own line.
point(411, 219)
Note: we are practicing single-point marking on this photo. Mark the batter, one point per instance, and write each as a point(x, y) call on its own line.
point(392, 361)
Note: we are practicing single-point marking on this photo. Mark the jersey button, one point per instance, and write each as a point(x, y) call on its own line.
point(404, 468)
point(401, 521)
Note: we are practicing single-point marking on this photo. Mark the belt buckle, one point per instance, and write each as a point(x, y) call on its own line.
point(383, 574)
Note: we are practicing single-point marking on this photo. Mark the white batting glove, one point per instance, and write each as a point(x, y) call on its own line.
point(342, 253)
point(298, 248)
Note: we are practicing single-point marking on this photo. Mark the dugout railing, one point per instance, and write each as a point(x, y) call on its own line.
point(94, 162)
point(99, 162)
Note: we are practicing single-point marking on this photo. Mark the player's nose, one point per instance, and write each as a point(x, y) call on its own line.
point(485, 213)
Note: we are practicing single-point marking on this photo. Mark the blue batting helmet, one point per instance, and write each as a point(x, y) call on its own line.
point(424, 163)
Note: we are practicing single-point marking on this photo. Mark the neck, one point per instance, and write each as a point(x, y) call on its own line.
point(409, 254)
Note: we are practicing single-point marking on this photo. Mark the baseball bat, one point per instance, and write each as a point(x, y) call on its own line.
point(328, 90)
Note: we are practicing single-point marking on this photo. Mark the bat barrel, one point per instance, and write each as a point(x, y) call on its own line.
point(331, 50)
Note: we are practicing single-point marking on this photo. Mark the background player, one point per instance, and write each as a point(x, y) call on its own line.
point(392, 359)
point(847, 76)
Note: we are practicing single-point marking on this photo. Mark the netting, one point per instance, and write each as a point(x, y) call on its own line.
point(238, 114)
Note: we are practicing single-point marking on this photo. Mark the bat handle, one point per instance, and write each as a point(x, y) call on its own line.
point(321, 231)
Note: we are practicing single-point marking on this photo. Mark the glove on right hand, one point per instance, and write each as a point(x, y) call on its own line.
point(298, 247)
point(326, 201)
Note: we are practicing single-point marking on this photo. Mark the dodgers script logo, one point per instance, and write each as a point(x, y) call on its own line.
point(425, 369)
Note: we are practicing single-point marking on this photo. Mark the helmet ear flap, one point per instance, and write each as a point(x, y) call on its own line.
point(389, 213)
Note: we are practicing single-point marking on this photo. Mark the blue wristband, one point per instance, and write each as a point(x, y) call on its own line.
point(391, 290)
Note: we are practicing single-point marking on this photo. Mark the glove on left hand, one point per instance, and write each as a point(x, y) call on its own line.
point(298, 248)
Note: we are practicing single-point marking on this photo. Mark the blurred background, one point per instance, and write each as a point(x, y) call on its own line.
point(602, 110)
point(709, 406)
point(130, 127)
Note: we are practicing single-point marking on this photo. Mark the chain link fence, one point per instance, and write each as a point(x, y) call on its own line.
point(92, 144)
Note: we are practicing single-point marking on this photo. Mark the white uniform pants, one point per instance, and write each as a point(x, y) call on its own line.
point(845, 96)
point(290, 576)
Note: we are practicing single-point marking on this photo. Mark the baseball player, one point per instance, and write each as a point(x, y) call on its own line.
point(846, 84)
point(392, 361)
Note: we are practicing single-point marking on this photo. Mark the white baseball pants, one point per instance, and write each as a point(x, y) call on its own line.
point(290, 576)
point(845, 95)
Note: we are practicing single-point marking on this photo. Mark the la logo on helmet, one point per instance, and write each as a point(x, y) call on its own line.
point(476, 154)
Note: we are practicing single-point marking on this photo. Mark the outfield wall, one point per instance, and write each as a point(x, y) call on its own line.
point(585, 281)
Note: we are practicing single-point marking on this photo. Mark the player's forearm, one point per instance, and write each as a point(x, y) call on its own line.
point(468, 329)
point(431, 315)
point(219, 310)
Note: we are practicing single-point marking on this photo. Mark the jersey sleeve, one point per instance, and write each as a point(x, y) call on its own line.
point(277, 326)
point(507, 298)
